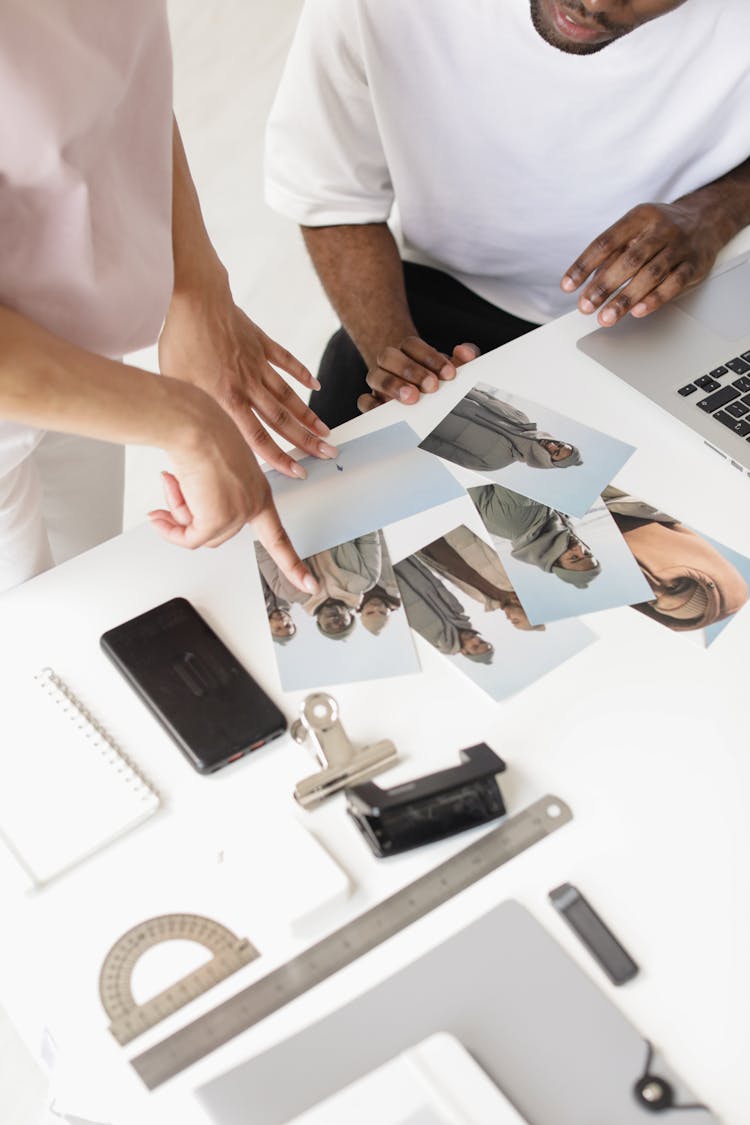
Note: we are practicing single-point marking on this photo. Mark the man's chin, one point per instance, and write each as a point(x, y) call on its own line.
point(550, 34)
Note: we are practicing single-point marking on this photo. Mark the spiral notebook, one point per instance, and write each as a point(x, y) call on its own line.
point(67, 789)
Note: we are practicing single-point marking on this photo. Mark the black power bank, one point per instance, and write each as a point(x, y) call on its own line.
point(199, 692)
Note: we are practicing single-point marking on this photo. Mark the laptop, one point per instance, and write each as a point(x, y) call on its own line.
point(692, 358)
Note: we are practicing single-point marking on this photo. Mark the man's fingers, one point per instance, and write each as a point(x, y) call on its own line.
point(649, 259)
point(639, 286)
point(410, 370)
point(680, 279)
point(605, 246)
point(387, 386)
point(368, 402)
point(274, 538)
point(399, 376)
point(427, 357)
point(465, 353)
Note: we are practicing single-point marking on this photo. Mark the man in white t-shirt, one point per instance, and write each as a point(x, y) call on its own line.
point(519, 163)
point(101, 237)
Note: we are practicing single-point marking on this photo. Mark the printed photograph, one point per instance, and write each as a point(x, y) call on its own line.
point(354, 628)
point(528, 448)
point(696, 584)
point(458, 597)
point(337, 502)
point(559, 565)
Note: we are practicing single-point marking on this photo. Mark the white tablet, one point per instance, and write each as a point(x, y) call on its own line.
point(437, 1082)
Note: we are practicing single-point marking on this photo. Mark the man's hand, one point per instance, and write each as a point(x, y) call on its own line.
point(210, 342)
point(651, 255)
point(411, 369)
point(218, 487)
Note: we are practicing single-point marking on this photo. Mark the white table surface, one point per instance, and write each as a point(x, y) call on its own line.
point(644, 734)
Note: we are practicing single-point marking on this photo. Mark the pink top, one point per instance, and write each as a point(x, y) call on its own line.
point(85, 172)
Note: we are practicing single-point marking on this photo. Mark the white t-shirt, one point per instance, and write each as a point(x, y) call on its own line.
point(85, 174)
point(504, 156)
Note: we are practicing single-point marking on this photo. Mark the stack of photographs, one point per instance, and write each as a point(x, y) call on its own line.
point(355, 628)
point(571, 542)
point(542, 541)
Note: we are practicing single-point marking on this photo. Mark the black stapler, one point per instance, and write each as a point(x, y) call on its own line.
point(429, 808)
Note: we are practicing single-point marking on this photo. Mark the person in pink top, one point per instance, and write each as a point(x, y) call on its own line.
point(102, 250)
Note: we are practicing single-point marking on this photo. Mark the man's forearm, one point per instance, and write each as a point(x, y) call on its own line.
point(361, 271)
point(49, 383)
point(724, 203)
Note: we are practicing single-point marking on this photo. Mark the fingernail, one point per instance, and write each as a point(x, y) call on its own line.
point(297, 471)
point(609, 316)
point(406, 394)
point(448, 371)
point(567, 284)
point(640, 309)
point(315, 384)
point(322, 429)
point(327, 450)
point(585, 305)
point(430, 384)
point(310, 584)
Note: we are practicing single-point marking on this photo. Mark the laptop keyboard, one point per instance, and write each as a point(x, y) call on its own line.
point(725, 394)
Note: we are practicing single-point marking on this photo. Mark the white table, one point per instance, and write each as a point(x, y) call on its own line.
point(644, 734)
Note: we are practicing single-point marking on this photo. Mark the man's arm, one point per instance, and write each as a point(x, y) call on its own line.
point(659, 249)
point(361, 271)
point(50, 383)
point(210, 342)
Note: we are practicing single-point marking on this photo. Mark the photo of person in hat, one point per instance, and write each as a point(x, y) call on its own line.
point(539, 536)
point(560, 566)
point(486, 434)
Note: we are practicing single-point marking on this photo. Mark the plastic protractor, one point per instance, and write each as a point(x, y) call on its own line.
point(129, 1019)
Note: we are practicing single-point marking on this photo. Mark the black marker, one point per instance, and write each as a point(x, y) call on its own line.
point(595, 935)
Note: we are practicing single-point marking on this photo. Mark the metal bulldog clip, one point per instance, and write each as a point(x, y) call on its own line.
point(341, 764)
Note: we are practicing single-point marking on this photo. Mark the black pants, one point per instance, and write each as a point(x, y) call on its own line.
point(445, 313)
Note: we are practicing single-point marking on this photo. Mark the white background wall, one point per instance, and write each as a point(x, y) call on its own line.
point(228, 58)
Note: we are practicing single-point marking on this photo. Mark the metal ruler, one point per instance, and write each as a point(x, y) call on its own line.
point(129, 1019)
point(235, 1015)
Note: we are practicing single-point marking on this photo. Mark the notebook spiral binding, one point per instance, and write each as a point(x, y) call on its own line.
point(92, 729)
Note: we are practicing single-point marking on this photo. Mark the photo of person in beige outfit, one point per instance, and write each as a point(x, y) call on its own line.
point(357, 606)
point(471, 565)
point(344, 573)
point(458, 598)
